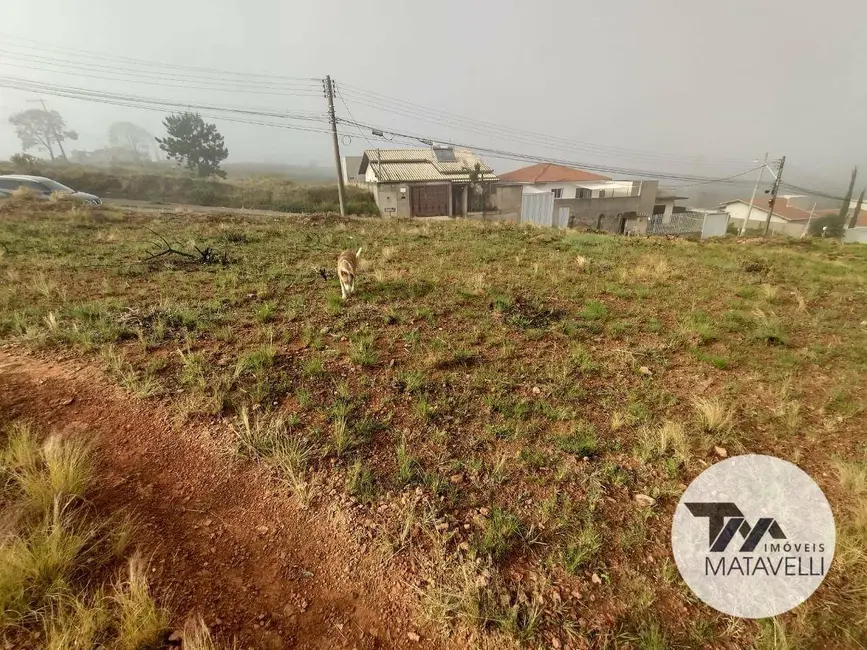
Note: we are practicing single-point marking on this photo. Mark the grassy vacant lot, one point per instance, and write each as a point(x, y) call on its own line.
point(168, 184)
point(493, 397)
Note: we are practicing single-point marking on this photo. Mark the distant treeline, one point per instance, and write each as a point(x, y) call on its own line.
point(171, 186)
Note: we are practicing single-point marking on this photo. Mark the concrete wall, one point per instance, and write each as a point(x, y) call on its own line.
point(855, 235)
point(778, 227)
point(393, 199)
point(507, 198)
point(757, 216)
point(586, 212)
point(714, 225)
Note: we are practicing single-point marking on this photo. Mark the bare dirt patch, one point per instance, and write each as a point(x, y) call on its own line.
point(223, 540)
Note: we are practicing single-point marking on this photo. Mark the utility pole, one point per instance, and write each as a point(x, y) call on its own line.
point(774, 190)
point(807, 227)
point(753, 197)
point(329, 93)
point(54, 128)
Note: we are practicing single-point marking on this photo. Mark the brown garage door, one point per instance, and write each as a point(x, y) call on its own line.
point(429, 200)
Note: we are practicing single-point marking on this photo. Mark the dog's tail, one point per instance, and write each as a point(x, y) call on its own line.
point(358, 252)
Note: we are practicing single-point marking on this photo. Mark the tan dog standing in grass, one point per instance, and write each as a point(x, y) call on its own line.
point(347, 266)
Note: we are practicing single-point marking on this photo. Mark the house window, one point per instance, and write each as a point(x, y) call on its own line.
point(582, 193)
point(601, 194)
point(557, 193)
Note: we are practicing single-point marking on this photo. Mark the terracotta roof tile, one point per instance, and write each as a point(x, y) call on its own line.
point(550, 173)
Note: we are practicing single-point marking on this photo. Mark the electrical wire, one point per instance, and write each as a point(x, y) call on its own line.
point(446, 118)
point(69, 66)
point(812, 192)
point(184, 85)
point(511, 155)
point(42, 47)
point(719, 180)
point(351, 116)
point(162, 108)
point(81, 93)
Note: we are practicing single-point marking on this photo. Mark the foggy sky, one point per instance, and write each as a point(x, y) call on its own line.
point(721, 80)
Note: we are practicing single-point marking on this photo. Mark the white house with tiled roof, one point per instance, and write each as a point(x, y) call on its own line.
point(787, 218)
point(426, 182)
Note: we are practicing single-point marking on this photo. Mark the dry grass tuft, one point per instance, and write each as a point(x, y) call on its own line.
point(669, 438)
point(651, 268)
point(54, 547)
point(61, 197)
point(769, 292)
point(59, 471)
point(267, 438)
point(23, 193)
point(197, 636)
point(714, 415)
point(141, 622)
point(802, 302)
point(35, 566)
point(74, 622)
point(476, 284)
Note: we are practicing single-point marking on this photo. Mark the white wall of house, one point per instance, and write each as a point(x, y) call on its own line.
point(668, 206)
point(758, 216)
point(570, 190)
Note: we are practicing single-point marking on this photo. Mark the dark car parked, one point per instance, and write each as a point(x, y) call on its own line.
point(42, 187)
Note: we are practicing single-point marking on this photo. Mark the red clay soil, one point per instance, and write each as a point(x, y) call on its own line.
point(224, 540)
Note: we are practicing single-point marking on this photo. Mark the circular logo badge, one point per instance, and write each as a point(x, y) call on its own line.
point(753, 536)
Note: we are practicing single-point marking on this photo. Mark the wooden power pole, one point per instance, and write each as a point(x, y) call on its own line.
point(329, 93)
point(774, 190)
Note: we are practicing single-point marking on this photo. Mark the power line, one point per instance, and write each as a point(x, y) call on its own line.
point(184, 85)
point(720, 180)
point(511, 155)
point(161, 108)
point(64, 65)
point(352, 117)
point(812, 192)
point(419, 111)
point(83, 93)
point(42, 46)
